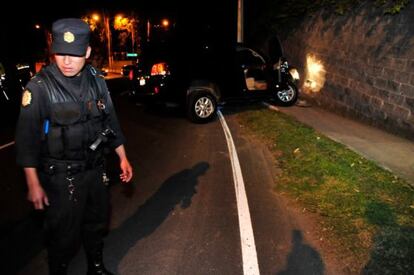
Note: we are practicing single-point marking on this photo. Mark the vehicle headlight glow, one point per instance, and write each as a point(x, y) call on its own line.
point(294, 73)
point(315, 74)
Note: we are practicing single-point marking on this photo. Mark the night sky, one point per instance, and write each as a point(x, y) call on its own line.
point(20, 40)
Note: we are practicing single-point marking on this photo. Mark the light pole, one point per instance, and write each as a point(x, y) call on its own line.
point(148, 30)
point(109, 40)
point(133, 37)
point(240, 31)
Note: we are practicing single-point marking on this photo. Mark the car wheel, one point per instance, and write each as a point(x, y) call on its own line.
point(201, 107)
point(288, 95)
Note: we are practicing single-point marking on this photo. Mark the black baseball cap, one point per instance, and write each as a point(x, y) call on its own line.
point(70, 36)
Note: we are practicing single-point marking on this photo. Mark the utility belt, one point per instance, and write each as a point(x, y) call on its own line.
point(70, 167)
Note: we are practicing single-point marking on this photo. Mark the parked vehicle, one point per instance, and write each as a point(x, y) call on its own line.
point(13, 79)
point(202, 67)
point(252, 78)
point(104, 71)
point(126, 69)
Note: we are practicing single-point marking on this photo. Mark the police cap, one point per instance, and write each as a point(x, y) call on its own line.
point(70, 36)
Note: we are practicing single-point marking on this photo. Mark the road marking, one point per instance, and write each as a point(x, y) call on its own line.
point(269, 106)
point(124, 93)
point(250, 265)
point(6, 145)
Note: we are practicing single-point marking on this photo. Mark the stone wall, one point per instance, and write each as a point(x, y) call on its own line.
point(368, 61)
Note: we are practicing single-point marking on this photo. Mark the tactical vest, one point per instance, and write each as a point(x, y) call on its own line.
point(73, 123)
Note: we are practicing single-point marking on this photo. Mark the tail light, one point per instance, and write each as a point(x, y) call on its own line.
point(131, 74)
point(159, 69)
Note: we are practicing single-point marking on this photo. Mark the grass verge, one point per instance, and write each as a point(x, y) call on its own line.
point(366, 210)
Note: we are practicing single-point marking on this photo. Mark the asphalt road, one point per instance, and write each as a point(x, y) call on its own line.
point(179, 216)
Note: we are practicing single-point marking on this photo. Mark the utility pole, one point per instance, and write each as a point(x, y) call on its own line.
point(148, 30)
point(133, 34)
point(240, 27)
point(109, 40)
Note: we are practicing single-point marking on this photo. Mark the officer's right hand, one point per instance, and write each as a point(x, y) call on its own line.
point(38, 197)
point(36, 193)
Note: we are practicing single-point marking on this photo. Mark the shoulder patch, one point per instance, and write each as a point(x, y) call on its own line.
point(26, 98)
point(96, 72)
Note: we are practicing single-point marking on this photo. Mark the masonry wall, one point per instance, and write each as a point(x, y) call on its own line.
point(369, 64)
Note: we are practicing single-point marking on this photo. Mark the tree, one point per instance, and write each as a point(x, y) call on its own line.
point(128, 24)
point(101, 32)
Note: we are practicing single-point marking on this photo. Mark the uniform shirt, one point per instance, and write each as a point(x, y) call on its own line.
point(29, 131)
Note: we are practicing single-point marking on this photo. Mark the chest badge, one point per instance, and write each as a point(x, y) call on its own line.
point(26, 98)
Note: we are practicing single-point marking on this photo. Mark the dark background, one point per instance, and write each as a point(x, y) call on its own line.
point(21, 42)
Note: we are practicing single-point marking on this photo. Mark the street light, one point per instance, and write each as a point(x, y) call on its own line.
point(165, 23)
point(95, 17)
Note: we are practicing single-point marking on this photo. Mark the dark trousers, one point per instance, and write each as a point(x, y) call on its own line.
point(81, 219)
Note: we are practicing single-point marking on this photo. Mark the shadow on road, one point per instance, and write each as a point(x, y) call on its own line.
point(303, 259)
point(176, 190)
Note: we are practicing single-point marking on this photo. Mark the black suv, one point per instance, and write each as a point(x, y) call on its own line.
point(200, 72)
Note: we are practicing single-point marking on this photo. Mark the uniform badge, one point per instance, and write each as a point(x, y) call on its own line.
point(26, 98)
point(68, 37)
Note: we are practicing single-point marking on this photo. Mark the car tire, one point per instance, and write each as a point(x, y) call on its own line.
point(201, 107)
point(288, 95)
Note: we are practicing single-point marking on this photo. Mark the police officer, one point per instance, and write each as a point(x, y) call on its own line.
point(66, 122)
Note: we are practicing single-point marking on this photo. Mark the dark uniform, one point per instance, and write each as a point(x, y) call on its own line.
point(65, 125)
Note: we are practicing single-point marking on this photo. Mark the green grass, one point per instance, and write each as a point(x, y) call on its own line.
point(367, 211)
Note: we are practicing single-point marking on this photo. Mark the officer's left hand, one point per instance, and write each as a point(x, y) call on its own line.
point(126, 169)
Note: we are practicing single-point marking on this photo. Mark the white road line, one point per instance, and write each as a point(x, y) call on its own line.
point(250, 265)
point(6, 145)
point(269, 106)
